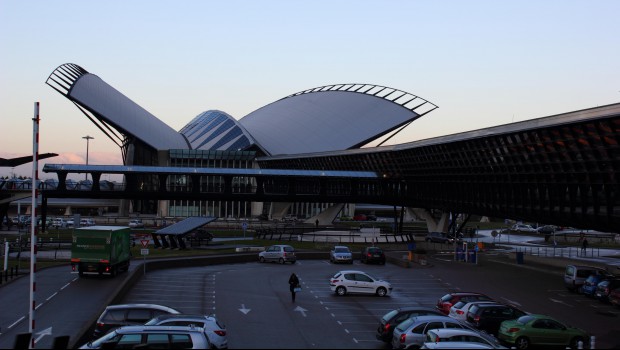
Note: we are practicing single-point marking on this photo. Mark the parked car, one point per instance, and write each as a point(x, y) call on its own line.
point(523, 228)
point(576, 275)
point(341, 254)
point(546, 229)
point(411, 333)
point(455, 338)
point(540, 331)
point(439, 237)
point(372, 255)
point(214, 329)
point(589, 286)
point(152, 337)
point(87, 222)
point(281, 253)
point(349, 281)
point(604, 288)
point(115, 316)
point(488, 317)
point(445, 302)
point(393, 318)
point(70, 223)
point(459, 310)
point(136, 223)
point(59, 223)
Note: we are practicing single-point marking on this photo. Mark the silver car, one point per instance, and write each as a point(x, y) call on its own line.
point(341, 254)
point(152, 337)
point(411, 333)
point(459, 339)
point(214, 329)
point(280, 252)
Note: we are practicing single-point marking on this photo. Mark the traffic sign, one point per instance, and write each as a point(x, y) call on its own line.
point(145, 243)
point(144, 252)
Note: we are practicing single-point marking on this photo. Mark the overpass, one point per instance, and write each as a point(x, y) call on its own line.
point(561, 169)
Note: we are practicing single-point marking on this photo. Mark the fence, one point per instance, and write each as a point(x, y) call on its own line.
point(12, 272)
point(560, 252)
point(348, 236)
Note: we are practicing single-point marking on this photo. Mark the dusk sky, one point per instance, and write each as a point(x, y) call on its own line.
point(483, 63)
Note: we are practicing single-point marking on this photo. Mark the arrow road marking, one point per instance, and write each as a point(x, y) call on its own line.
point(302, 310)
point(244, 310)
point(43, 333)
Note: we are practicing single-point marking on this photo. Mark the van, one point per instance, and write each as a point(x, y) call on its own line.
point(575, 275)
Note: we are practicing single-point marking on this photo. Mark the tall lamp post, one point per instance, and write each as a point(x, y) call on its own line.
point(87, 138)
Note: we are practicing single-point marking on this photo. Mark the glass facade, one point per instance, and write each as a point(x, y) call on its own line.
point(211, 159)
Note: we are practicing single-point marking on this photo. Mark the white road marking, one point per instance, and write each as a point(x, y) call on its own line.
point(16, 322)
point(51, 296)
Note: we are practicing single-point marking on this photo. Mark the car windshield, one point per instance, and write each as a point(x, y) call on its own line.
point(446, 298)
point(459, 305)
point(341, 250)
point(112, 336)
point(525, 319)
point(405, 324)
point(390, 315)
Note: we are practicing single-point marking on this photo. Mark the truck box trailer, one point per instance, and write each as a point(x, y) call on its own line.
point(100, 249)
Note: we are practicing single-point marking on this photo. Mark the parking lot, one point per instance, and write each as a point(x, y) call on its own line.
point(254, 301)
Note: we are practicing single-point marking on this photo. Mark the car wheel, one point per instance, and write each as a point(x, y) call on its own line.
point(522, 343)
point(281, 261)
point(574, 343)
point(261, 259)
point(381, 291)
point(341, 291)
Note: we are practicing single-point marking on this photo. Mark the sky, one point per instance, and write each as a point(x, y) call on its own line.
point(482, 62)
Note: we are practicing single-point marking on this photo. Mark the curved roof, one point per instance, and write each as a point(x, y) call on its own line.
point(334, 117)
point(113, 108)
point(216, 130)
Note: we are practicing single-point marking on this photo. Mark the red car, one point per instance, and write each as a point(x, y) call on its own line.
point(445, 303)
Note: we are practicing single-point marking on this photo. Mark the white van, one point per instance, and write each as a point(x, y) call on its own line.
point(576, 275)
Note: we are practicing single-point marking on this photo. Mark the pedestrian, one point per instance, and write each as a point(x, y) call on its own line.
point(317, 223)
point(293, 283)
point(584, 245)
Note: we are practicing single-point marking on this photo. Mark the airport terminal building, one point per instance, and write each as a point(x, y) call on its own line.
point(320, 120)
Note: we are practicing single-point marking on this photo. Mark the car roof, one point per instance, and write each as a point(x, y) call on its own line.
point(340, 246)
point(448, 332)
point(409, 308)
point(428, 318)
point(143, 328)
point(141, 306)
point(184, 316)
point(351, 271)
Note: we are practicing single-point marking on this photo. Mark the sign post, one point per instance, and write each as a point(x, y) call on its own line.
point(144, 252)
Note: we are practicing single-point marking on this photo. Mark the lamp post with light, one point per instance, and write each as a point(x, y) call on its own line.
point(87, 138)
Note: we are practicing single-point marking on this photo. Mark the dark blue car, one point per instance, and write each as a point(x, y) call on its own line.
point(589, 287)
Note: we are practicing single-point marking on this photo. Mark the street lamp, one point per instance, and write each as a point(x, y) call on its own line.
point(87, 138)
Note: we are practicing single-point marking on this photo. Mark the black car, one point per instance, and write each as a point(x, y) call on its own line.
point(393, 318)
point(489, 317)
point(439, 237)
point(372, 255)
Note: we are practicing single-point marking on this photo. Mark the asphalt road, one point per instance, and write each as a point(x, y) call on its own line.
point(254, 302)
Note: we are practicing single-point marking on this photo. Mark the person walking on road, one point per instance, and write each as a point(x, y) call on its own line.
point(293, 283)
point(584, 245)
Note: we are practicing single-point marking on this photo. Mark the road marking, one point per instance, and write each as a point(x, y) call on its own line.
point(244, 310)
point(302, 310)
point(66, 285)
point(51, 296)
point(38, 306)
point(16, 322)
point(560, 302)
point(43, 333)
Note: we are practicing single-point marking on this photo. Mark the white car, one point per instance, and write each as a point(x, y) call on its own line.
point(214, 329)
point(523, 228)
point(459, 310)
point(136, 224)
point(341, 254)
point(350, 281)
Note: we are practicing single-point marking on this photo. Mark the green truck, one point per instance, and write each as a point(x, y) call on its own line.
point(100, 249)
